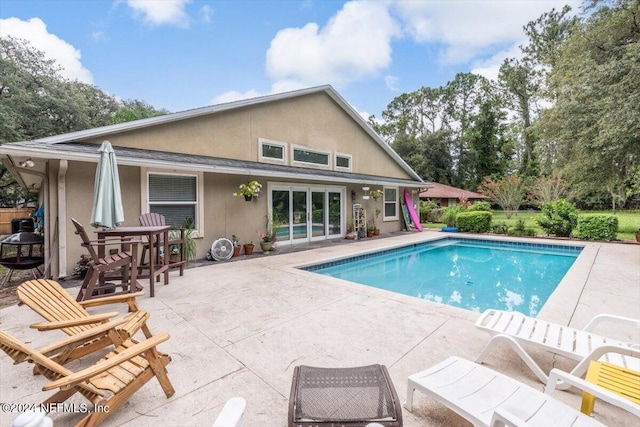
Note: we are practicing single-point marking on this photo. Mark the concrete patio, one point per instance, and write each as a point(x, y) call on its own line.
point(240, 328)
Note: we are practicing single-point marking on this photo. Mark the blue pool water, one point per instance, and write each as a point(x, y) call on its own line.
point(467, 273)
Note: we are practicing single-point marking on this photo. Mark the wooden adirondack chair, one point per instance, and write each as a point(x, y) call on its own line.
point(154, 219)
point(62, 312)
point(109, 383)
point(125, 260)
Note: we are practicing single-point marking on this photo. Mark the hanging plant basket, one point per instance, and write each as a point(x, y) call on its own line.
point(249, 190)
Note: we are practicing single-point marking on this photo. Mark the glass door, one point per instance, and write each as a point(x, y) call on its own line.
point(317, 224)
point(300, 228)
point(303, 214)
point(280, 214)
point(334, 209)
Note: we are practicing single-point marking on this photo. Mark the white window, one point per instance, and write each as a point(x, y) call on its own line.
point(307, 157)
point(343, 162)
point(390, 200)
point(272, 151)
point(175, 197)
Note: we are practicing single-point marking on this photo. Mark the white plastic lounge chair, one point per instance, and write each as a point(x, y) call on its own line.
point(487, 398)
point(578, 344)
point(232, 414)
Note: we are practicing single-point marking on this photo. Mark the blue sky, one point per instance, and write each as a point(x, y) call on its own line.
point(182, 54)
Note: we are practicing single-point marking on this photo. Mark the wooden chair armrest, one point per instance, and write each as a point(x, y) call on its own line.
point(82, 337)
point(110, 242)
point(115, 299)
point(59, 324)
point(107, 364)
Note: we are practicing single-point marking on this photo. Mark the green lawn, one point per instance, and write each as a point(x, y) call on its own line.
point(628, 221)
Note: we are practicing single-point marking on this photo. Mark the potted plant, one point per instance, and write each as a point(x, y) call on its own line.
point(350, 234)
point(376, 230)
point(370, 228)
point(376, 194)
point(362, 227)
point(190, 247)
point(249, 190)
point(248, 248)
point(236, 245)
point(82, 266)
point(266, 240)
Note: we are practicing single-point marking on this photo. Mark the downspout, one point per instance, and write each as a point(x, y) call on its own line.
point(62, 217)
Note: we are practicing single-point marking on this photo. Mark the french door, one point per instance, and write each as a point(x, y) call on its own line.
point(307, 213)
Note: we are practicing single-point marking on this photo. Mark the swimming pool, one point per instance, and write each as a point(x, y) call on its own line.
point(473, 274)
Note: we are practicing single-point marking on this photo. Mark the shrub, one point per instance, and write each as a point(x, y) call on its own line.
point(449, 215)
point(426, 207)
point(558, 218)
point(597, 227)
point(435, 215)
point(500, 227)
point(474, 222)
point(480, 205)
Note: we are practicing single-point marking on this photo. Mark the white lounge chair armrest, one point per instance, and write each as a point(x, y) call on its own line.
point(598, 352)
point(232, 414)
point(501, 417)
point(594, 389)
point(600, 318)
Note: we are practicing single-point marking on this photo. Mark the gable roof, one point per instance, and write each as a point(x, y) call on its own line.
point(441, 191)
point(104, 131)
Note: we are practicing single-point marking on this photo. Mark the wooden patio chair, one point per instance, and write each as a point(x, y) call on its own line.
point(152, 220)
point(107, 384)
point(62, 312)
point(102, 268)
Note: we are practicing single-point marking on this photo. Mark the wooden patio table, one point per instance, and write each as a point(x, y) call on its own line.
point(149, 231)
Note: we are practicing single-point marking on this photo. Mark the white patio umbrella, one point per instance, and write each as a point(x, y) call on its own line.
point(107, 201)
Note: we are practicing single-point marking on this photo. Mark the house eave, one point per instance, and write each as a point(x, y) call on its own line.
point(41, 152)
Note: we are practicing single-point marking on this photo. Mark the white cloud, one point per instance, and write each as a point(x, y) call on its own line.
point(65, 55)
point(355, 44)
point(490, 67)
point(392, 82)
point(233, 95)
point(206, 12)
point(166, 12)
point(470, 28)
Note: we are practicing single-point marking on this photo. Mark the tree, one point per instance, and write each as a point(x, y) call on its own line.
point(546, 189)
point(596, 80)
point(521, 86)
point(135, 110)
point(461, 100)
point(507, 193)
point(36, 101)
point(487, 142)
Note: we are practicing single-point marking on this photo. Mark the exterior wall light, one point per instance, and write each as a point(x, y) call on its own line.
point(366, 193)
point(27, 163)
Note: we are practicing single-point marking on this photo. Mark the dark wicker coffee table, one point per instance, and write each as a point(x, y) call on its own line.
point(343, 397)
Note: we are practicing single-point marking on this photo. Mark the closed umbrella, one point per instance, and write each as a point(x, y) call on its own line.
point(107, 200)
